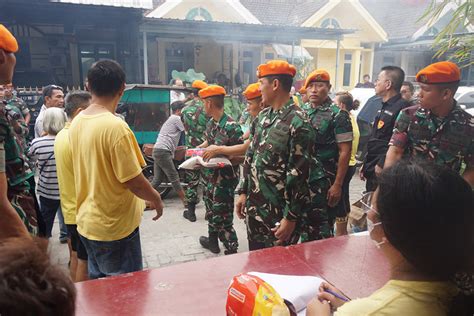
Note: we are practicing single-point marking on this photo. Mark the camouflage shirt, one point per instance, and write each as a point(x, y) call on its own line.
point(194, 120)
point(277, 165)
point(226, 132)
point(332, 126)
point(447, 141)
point(20, 105)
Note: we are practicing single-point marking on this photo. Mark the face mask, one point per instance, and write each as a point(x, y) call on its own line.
point(370, 227)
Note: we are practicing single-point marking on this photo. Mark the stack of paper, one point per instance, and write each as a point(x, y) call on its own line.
point(299, 290)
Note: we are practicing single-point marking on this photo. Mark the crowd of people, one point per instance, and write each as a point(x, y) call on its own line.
point(297, 160)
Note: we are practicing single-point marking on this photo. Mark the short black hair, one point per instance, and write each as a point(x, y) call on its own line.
point(48, 90)
point(75, 100)
point(286, 81)
point(31, 284)
point(453, 86)
point(217, 100)
point(177, 105)
point(105, 78)
point(396, 75)
point(366, 76)
point(410, 86)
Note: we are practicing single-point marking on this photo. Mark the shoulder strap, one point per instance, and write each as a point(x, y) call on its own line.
point(46, 161)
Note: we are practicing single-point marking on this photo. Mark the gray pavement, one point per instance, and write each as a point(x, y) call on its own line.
point(172, 239)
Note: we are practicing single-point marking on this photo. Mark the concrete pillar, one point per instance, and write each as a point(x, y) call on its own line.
point(336, 76)
point(356, 68)
point(145, 58)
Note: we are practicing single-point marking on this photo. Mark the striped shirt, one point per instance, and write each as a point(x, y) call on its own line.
point(42, 151)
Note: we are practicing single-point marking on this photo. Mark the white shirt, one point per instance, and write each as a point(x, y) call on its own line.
point(39, 122)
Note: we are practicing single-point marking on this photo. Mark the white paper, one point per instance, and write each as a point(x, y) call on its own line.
point(299, 290)
point(198, 162)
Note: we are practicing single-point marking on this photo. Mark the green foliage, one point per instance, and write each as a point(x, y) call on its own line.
point(188, 76)
point(457, 47)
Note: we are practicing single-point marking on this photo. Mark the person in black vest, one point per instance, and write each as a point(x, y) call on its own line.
point(387, 87)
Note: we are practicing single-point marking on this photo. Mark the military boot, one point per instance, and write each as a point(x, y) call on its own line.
point(190, 213)
point(210, 242)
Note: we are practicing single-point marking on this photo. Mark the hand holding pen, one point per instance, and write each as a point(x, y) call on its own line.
point(331, 294)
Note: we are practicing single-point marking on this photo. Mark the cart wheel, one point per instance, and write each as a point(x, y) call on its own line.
point(148, 173)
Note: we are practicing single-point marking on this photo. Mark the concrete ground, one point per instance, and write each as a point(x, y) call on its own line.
point(173, 239)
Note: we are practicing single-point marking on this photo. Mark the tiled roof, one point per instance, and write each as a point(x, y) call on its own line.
point(283, 12)
point(397, 17)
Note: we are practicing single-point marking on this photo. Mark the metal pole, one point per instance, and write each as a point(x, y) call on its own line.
point(145, 58)
point(292, 51)
point(337, 65)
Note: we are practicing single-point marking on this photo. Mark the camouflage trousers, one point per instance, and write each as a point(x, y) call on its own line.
point(193, 179)
point(260, 232)
point(219, 200)
point(315, 222)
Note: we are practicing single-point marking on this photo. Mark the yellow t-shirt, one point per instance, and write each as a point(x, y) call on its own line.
point(105, 156)
point(403, 298)
point(355, 140)
point(65, 172)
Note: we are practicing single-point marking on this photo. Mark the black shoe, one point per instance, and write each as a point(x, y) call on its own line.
point(210, 243)
point(229, 252)
point(190, 213)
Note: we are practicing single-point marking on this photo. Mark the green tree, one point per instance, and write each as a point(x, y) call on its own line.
point(449, 41)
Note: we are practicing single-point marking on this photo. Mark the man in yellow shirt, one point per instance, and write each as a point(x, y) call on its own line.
point(75, 102)
point(110, 186)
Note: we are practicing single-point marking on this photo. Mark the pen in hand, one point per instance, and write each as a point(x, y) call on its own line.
point(345, 299)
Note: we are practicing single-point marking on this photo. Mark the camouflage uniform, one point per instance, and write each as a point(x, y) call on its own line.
point(194, 120)
point(20, 105)
point(447, 141)
point(220, 183)
point(18, 175)
point(276, 171)
point(332, 126)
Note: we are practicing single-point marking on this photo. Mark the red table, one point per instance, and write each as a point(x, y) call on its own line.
point(353, 264)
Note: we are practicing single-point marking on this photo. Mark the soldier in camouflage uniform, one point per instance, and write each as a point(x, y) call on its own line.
point(333, 143)
point(220, 183)
point(437, 130)
point(14, 172)
point(17, 102)
point(194, 120)
point(275, 191)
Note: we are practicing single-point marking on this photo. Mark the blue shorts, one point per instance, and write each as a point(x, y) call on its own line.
point(107, 258)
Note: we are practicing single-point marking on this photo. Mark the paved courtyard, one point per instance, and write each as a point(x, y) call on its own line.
point(172, 239)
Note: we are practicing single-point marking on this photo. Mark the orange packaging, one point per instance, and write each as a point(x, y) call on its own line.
point(249, 295)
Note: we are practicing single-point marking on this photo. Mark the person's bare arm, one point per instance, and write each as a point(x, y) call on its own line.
point(10, 223)
point(235, 150)
point(394, 154)
point(335, 192)
point(27, 118)
point(468, 175)
point(203, 145)
point(143, 189)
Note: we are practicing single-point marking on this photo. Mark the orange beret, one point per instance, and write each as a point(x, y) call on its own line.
point(302, 90)
point(441, 72)
point(7, 41)
point(211, 91)
point(276, 67)
point(252, 91)
point(199, 84)
point(319, 75)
